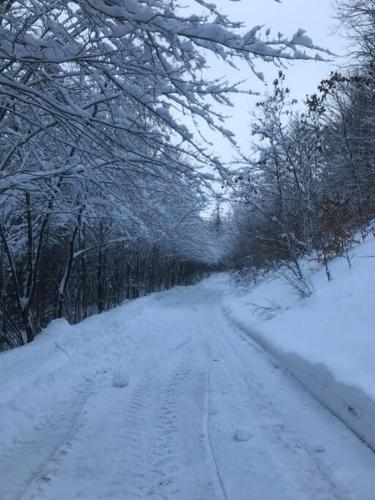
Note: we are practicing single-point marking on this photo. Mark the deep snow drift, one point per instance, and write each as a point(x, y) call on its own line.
point(164, 398)
point(327, 340)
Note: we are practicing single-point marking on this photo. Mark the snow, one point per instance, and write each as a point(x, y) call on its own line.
point(327, 340)
point(207, 412)
point(242, 435)
point(319, 449)
point(120, 379)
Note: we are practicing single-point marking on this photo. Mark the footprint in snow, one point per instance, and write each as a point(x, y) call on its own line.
point(319, 449)
point(242, 435)
point(120, 380)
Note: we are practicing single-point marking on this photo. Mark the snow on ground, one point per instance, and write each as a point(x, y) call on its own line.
point(328, 340)
point(164, 398)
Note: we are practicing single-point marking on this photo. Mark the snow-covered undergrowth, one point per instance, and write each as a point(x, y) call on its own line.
point(326, 341)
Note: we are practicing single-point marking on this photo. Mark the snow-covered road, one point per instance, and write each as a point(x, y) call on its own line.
point(206, 415)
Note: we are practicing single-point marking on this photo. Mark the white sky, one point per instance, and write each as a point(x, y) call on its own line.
point(314, 16)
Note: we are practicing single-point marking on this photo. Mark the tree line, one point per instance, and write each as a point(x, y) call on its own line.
point(307, 190)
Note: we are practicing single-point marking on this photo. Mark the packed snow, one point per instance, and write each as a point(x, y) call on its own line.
point(203, 412)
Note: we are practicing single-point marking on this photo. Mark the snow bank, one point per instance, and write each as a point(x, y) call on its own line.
point(326, 341)
point(38, 379)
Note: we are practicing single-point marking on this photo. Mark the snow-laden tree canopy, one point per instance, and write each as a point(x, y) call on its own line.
point(101, 177)
point(99, 76)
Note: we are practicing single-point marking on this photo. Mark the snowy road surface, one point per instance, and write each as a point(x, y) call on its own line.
point(176, 403)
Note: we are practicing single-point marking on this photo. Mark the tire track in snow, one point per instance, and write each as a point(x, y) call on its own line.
point(136, 452)
point(285, 435)
point(166, 466)
point(157, 418)
point(211, 448)
point(264, 415)
point(48, 447)
point(151, 464)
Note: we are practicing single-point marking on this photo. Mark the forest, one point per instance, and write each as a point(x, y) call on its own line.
point(109, 191)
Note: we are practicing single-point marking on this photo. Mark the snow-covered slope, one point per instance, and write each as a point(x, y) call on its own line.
point(328, 340)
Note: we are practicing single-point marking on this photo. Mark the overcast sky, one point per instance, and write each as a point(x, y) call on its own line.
point(314, 16)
